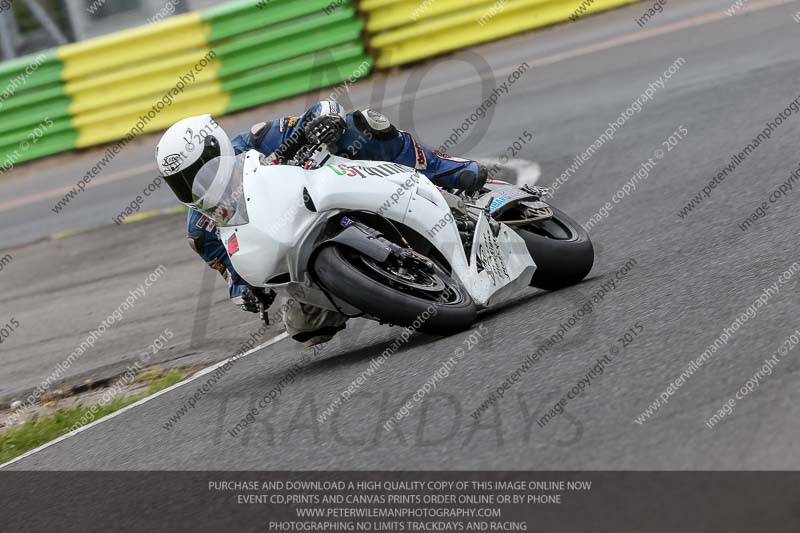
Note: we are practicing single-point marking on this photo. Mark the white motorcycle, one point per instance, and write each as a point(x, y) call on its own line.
point(379, 240)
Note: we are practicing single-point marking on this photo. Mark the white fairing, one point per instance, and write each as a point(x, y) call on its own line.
point(507, 264)
point(281, 230)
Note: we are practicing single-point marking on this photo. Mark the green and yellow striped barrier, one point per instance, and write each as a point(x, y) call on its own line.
point(224, 59)
point(234, 56)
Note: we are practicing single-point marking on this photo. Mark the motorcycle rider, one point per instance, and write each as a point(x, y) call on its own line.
point(368, 135)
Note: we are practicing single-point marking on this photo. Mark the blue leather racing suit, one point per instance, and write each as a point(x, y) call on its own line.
point(369, 136)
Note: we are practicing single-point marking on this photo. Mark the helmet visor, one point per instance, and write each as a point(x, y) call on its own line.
point(218, 191)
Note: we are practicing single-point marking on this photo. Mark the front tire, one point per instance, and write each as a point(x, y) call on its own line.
point(562, 250)
point(355, 279)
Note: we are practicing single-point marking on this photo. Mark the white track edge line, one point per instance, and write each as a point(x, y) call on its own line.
point(143, 401)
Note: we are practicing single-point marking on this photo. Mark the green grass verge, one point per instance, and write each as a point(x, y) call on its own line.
point(40, 430)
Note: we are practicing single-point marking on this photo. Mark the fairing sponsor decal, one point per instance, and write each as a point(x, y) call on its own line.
point(233, 245)
point(379, 171)
point(491, 258)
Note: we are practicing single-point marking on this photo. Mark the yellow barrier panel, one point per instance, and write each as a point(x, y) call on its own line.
point(154, 78)
point(404, 12)
point(460, 28)
point(137, 45)
point(106, 125)
point(371, 5)
point(143, 104)
point(438, 28)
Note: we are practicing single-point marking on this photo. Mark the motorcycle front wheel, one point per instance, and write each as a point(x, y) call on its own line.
point(430, 302)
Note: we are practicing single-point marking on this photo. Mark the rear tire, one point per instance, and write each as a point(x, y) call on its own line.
point(344, 273)
point(562, 250)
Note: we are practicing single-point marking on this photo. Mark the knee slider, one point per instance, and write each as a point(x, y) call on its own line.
point(258, 132)
point(375, 124)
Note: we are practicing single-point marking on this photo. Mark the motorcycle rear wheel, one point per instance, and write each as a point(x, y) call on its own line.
point(561, 248)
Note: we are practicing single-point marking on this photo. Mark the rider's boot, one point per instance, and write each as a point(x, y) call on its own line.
point(319, 336)
point(311, 325)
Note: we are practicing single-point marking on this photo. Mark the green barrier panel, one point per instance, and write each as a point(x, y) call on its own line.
point(28, 99)
point(236, 18)
point(293, 85)
point(250, 57)
point(318, 50)
point(32, 115)
point(11, 139)
point(49, 145)
point(307, 31)
point(31, 94)
point(29, 72)
point(262, 80)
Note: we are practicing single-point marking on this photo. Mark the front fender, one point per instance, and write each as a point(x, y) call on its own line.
point(358, 239)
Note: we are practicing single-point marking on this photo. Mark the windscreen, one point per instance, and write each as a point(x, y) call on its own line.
point(218, 191)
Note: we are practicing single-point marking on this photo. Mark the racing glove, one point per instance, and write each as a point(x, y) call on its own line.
point(472, 182)
point(253, 296)
point(325, 129)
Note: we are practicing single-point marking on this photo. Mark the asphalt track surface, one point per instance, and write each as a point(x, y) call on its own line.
point(692, 277)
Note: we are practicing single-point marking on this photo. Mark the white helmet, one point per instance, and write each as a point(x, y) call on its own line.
point(185, 148)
